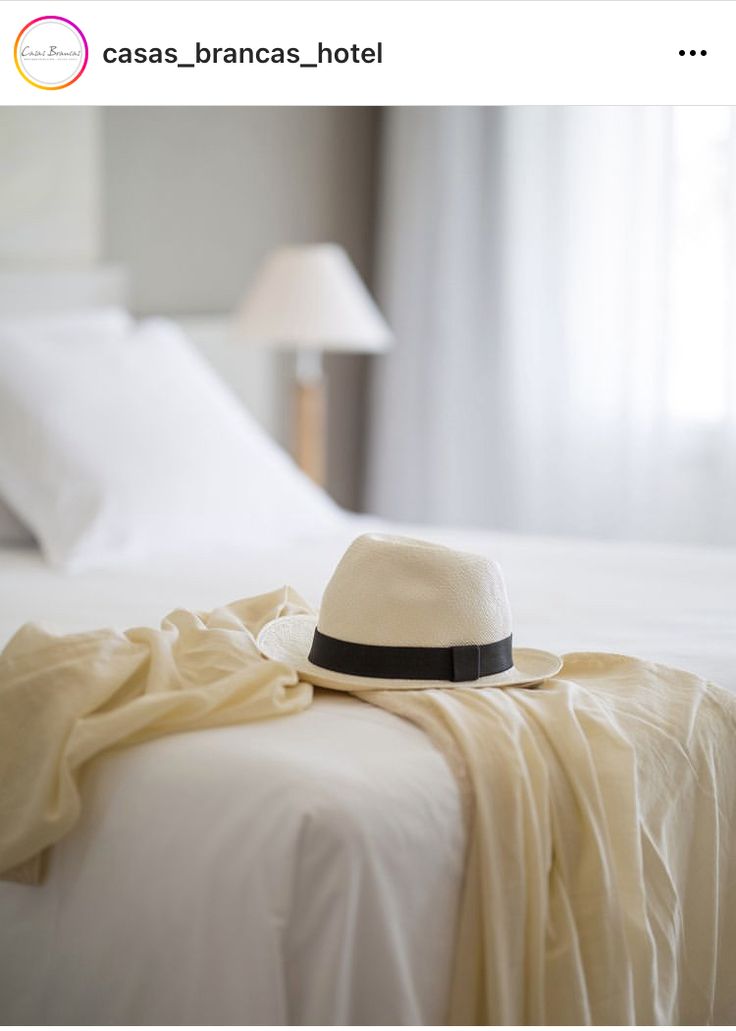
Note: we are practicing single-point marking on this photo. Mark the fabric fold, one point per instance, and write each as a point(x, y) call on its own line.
point(66, 699)
point(600, 882)
point(600, 879)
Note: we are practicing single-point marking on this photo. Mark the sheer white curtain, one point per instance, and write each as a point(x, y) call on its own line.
point(561, 284)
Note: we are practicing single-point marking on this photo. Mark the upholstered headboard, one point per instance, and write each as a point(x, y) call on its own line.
point(50, 290)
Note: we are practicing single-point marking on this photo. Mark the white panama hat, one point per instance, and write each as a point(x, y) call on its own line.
point(406, 614)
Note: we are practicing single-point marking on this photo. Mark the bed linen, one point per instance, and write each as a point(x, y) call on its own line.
point(600, 885)
point(192, 471)
point(67, 698)
point(352, 918)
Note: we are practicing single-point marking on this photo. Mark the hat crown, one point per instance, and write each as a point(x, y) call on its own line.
point(396, 591)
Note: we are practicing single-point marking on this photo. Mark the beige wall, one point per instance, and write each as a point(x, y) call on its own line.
point(194, 198)
point(50, 187)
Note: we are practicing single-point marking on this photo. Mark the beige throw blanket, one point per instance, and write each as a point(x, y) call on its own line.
point(600, 884)
point(63, 700)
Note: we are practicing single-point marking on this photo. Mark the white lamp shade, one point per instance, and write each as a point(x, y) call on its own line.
point(311, 297)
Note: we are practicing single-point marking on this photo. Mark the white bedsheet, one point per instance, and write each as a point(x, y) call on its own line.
point(305, 870)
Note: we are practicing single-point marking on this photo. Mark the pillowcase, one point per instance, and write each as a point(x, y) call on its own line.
point(122, 445)
point(104, 320)
point(12, 531)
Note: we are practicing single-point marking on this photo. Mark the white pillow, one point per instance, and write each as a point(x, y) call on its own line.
point(123, 446)
point(24, 317)
point(12, 531)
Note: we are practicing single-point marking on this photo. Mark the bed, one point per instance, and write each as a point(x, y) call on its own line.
point(304, 870)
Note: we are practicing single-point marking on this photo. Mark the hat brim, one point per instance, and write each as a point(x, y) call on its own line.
point(289, 640)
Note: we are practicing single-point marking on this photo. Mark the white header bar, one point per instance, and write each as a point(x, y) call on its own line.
point(382, 52)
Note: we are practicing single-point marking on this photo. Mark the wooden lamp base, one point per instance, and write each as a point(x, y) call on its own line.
point(310, 417)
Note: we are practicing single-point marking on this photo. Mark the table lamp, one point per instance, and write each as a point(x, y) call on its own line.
point(310, 299)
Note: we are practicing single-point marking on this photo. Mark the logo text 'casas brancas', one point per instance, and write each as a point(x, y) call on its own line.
point(51, 52)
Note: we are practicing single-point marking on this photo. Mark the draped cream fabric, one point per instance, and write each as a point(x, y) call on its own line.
point(600, 884)
point(65, 699)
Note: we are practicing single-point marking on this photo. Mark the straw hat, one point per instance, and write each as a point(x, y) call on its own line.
point(406, 614)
